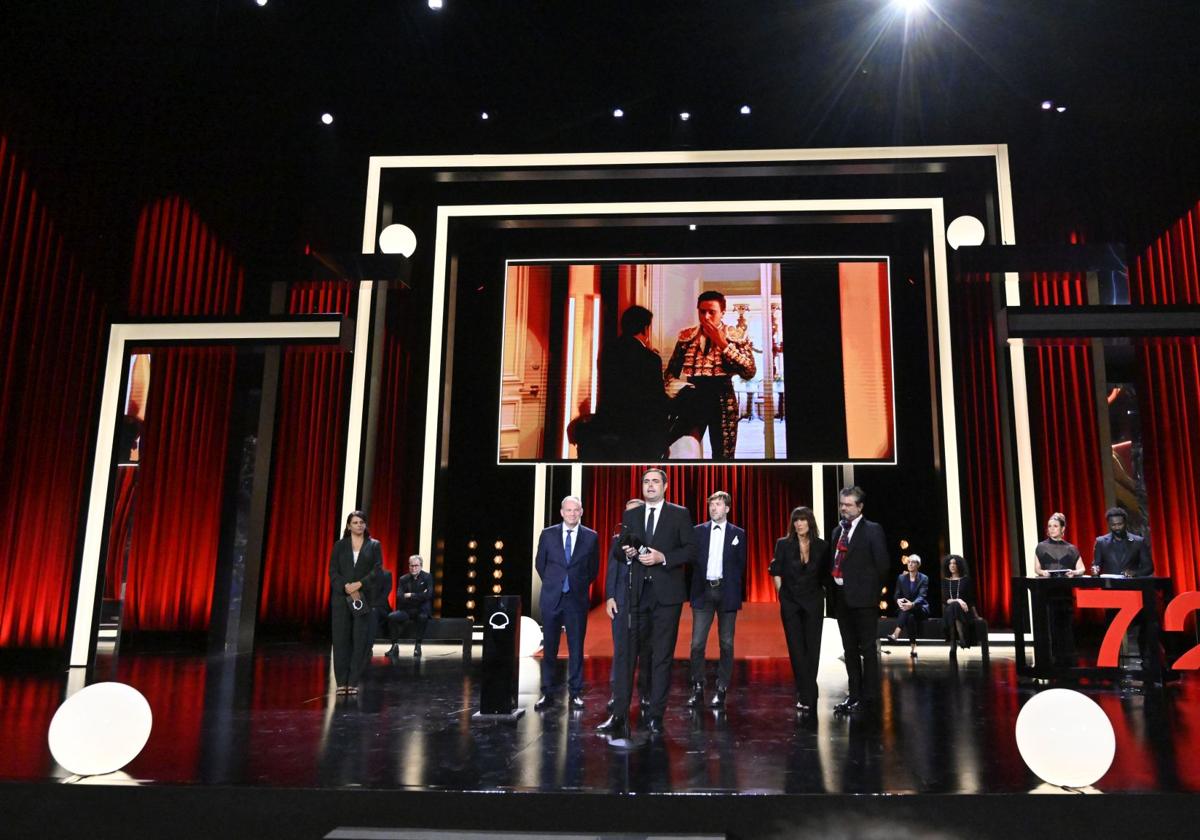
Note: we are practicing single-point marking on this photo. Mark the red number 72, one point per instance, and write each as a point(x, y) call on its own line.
point(1127, 602)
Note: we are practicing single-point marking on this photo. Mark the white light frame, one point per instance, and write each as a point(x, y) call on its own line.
point(311, 330)
point(997, 152)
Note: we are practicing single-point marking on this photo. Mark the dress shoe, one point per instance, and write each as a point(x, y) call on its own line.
point(845, 707)
point(576, 703)
point(544, 702)
point(655, 725)
point(697, 695)
point(616, 726)
point(610, 705)
point(417, 651)
point(718, 700)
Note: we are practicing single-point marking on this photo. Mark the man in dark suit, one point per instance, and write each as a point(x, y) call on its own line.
point(860, 566)
point(567, 561)
point(616, 589)
point(631, 414)
point(661, 542)
point(1119, 552)
point(716, 589)
point(414, 604)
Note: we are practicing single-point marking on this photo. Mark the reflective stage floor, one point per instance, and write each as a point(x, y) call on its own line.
point(270, 721)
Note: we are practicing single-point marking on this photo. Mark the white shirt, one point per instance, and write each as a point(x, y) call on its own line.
point(574, 537)
point(716, 551)
point(657, 508)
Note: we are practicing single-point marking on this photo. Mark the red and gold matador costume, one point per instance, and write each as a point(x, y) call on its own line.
point(714, 405)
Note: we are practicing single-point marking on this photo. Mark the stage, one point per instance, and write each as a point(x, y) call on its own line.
point(266, 729)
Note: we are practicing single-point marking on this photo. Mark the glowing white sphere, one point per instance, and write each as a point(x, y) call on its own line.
point(531, 636)
point(1065, 738)
point(100, 728)
point(398, 239)
point(327, 118)
point(965, 230)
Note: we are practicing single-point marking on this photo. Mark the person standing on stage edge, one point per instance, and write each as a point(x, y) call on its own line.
point(568, 560)
point(716, 588)
point(665, 532)
point(355, 561)
point(860, 566)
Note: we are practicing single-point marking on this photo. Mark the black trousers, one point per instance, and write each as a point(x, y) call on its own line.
point(859, 627)
point(352, 638)
point(650, 643)
point(620, 659)
point(556, 617)
point(400, 619)
point(702, 619)
point(910, 621)
point(802, 627)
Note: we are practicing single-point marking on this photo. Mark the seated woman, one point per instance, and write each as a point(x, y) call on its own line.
point(1054, 553)
point(958, 618)
point(912, 602)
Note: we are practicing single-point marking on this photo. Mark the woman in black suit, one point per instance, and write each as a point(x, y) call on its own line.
point(958, 594)
point(801, 572)
point(353, 565)
point(912, 602)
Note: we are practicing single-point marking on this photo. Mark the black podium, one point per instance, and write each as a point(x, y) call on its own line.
point(500, 674)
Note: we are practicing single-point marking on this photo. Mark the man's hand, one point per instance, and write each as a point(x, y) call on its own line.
point(610, 607)
point(630, 552)
point(713, 333)
point(653, 557)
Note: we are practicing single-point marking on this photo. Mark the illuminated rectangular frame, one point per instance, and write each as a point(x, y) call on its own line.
point(313, 330)
point(998, 152)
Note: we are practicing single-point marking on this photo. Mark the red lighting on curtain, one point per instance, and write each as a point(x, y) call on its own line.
point(1168, 274)
point(763, 499)
point(985, 502)
point(306, 476)
point(51, 333)
point(1063, 420)
point(180, 269)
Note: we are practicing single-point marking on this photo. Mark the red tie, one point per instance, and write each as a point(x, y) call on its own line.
point(839, 554)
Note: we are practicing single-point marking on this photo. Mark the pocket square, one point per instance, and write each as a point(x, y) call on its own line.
point(735, 540)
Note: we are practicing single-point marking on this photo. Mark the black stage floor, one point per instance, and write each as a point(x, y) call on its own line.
point(267, 726)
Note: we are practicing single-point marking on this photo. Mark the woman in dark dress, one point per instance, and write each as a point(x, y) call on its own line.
point(1056, 554)
point(912, 602)
point(355, 561)
point(800, 569)
point(958, 594)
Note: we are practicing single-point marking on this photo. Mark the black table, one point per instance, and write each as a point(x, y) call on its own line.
point(1051, 603)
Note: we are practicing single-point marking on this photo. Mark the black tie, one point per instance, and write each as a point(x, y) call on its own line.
point(650, 527)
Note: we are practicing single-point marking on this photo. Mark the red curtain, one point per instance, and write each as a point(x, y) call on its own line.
point(763, 498)
point(1168, 273)
point(393, 514)
point(51, 335)
point(180, 269)
point(1063, 423)
point(977, 392)
point(124, 492)
point(306, 474)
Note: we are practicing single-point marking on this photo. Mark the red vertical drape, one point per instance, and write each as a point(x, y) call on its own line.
point(393, 513)
point(124, 491)
point(1168, 273)
point(977, 394)
point(51, 334)
point(180, 269)
point(763, 498)
point(307, 471)
point(1063, 420)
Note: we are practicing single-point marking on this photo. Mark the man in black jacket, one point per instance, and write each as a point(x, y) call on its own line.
point(414, 604)
point(631, 417)
point(860, 566)
point(660, 540)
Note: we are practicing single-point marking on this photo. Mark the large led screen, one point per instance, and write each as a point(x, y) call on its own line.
point(771, 360)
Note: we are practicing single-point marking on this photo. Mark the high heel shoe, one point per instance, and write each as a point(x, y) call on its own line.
point(913, 652)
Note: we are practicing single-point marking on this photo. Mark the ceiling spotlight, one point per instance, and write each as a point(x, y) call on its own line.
point(1047, 104)
point(910, 7)
point(261, 2)
point(327, 118)
point(435, 4)
point(484, 115)
point(685, 116)
point(691, 227)
point(1061, 108)
point(618, 113)
point(744, 110)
